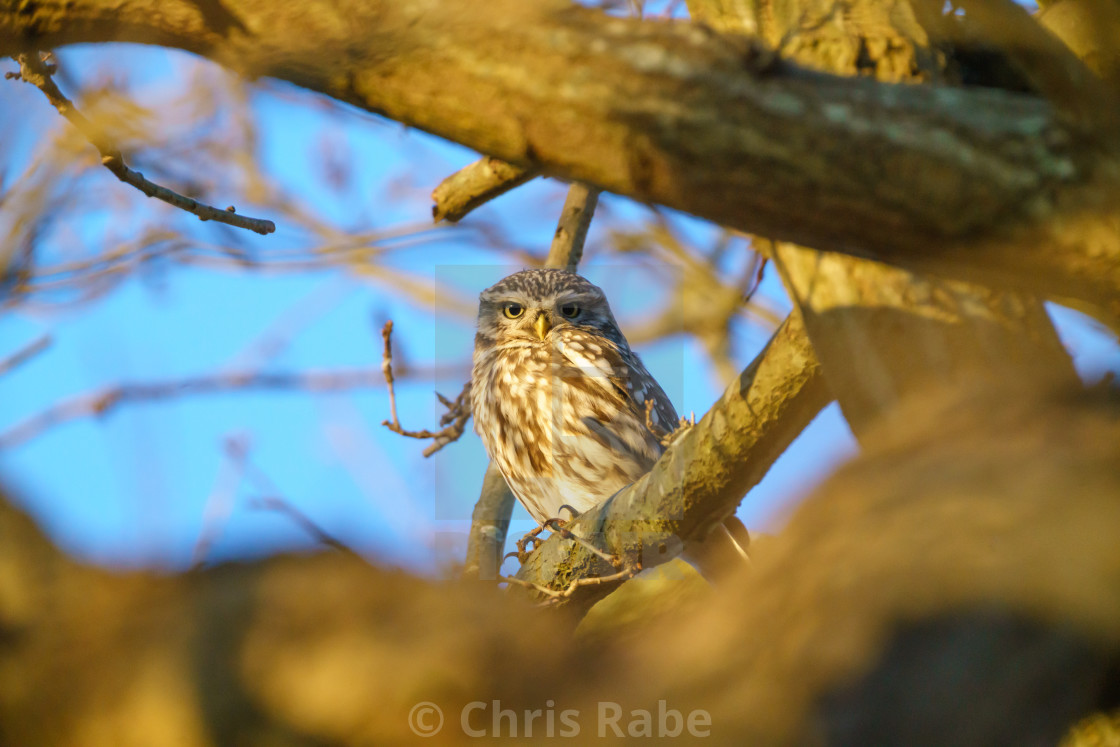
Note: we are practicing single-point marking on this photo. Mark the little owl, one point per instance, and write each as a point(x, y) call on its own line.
point(558, 397)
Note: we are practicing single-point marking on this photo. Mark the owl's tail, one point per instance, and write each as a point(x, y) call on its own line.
point(723, 553)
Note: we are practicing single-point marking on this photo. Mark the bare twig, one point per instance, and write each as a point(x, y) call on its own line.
point(220, 503)
point(475, 185)
point(36, 72)
point(24, 354)
point(761, 261)
point(272, 503)
point(454, 420)
point(571, 230)
point(99, 403)
point(555, 597)
point(273, 499)
point(387, 372)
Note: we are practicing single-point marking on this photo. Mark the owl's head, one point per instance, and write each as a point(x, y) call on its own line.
point(527, 306)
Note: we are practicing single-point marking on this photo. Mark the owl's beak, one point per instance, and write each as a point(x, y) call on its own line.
point(542, 325)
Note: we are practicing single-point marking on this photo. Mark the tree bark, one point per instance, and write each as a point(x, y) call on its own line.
point(972, 183)
point(884, 334)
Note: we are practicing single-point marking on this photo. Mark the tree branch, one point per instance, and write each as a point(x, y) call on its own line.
point(489, 526)
point(1050, 66)
point(700, 479)
point(35, 72)
point(882, 333)
point(1010, 192)
point(100, 403)
point(24, 354)
point(476, 184)
point(571, 230)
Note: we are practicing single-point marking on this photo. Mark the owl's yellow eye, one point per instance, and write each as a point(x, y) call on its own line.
point(570, 310)
point(513, 310)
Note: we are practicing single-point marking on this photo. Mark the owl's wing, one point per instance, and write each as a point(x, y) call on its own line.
point(645, 387)
point(620, 375)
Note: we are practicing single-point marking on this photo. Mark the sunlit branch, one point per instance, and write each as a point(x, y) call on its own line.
point(476, 184)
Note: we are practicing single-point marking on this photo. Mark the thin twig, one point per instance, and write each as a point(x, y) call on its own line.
point(272, 503)
point(220, 503)
point(474, 185)
point(101, 402)
point(273, 500)
point(24, 354)
point(761, 261)
point(454, 420)
point(37, 73)
point(554, 596)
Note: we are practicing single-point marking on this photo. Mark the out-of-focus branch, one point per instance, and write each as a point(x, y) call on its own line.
point(24, 354)
point(474, 185)
point(36, 72)
point(101, 402)
point(700, 479)
point(279, 505)
point(1050, 66)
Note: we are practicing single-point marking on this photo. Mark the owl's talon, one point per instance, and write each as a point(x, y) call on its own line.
point(572, 511)
point(532, 537)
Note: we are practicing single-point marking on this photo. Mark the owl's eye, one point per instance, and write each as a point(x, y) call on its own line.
point(570, 310)
point(513, 310)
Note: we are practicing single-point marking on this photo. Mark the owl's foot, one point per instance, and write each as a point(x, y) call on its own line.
point(532, 540)
point(623, 570)
point(527, 544)
point(560, 527)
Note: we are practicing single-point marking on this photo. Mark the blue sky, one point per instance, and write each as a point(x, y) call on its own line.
point(138, 486)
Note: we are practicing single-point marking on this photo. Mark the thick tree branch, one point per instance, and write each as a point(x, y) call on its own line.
point(701, 478)
point(1050, 66)
point(884, 334)
point(974, 183)
point(940, 560)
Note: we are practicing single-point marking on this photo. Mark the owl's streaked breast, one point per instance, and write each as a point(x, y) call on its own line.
point(561, 421)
